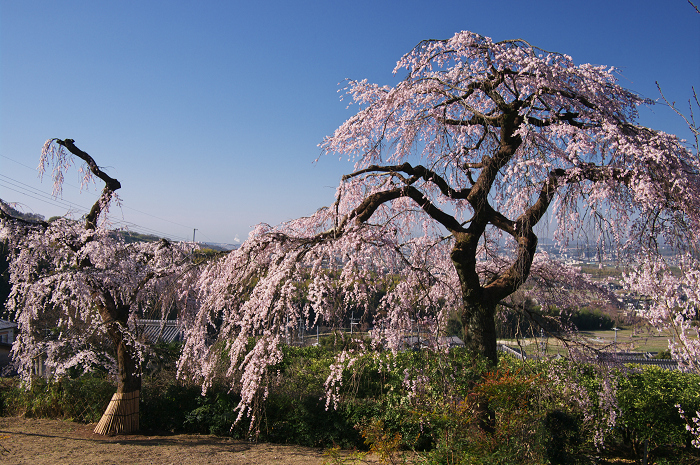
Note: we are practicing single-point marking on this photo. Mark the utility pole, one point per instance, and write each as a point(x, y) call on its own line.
point(193, 234)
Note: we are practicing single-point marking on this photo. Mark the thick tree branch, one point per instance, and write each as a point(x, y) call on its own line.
point(111, 184)
point(522, 229)
point(417, 172)
point(366, 209)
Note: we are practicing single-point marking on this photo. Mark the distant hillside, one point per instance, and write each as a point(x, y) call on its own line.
point(9, 209)
point(219, 246)
point(131, 236)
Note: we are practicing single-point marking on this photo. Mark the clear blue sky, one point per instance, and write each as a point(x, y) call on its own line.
point(210, 112)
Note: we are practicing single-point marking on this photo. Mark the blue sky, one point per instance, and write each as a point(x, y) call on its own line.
point(210, 112)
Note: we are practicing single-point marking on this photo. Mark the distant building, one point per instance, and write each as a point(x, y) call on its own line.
point(8, 329)
point(159, 330)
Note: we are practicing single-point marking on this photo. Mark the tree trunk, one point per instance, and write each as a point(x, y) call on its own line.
point(478, 316)
point(479, 305)
point(479, 329)
point(479, 323)
point(122, 414)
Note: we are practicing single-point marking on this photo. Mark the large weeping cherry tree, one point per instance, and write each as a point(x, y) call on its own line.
point(456, 165)
point(78, 290)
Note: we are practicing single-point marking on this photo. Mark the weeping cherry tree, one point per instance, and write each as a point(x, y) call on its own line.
point(456, 165)
point(78, 290)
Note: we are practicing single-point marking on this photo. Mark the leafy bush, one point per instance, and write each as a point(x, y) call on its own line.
point(563, 439)
point(498, 422)
point(82, 399)
point(214, 415)
point(166, 403)
point(306, 422)
point(587, 319)
point(647, 399)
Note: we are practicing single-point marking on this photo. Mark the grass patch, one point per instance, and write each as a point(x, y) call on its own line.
point(627, 340)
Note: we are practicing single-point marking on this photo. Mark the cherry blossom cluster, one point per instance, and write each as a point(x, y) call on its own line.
point(672, 300)
point(572, 382)
point(692, 425)
point(260, 292)
point(62, 272)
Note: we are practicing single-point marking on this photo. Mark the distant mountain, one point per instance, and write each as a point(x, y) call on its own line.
point(130, 236)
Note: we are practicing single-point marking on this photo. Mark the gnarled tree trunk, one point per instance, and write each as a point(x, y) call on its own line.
point(480, 329)
point(479, 303)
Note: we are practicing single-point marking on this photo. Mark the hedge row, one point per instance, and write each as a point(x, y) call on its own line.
point(419, 401)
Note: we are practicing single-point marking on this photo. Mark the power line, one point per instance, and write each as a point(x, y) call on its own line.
point(19, 163)
point(34, 193)
point(79, 189)
point(49, 198)
point(156, 217)
point(30, 195)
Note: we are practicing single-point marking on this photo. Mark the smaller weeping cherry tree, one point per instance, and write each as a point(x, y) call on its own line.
point(671, 287)
point(455, 167)
point(78, 290)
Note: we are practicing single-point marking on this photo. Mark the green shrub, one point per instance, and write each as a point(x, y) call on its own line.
point(498, 422)
point(166, 403)
point(214, 415)
point(563, 436)
point(82, 399)
point(448, 407)
point(305, 421)
point(647, 400)
point(587, 319)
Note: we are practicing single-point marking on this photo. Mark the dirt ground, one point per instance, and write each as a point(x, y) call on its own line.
point(43, 442)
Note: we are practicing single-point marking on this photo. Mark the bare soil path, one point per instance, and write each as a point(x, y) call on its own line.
point(43, 442)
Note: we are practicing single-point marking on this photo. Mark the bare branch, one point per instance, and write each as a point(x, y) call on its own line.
point(111, 184)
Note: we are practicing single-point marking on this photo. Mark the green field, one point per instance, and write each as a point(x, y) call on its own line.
point(627, 341)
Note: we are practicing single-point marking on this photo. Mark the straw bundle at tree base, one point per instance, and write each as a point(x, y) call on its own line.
point(121, 416)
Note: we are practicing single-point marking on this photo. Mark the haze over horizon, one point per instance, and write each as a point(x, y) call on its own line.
point(210, 114)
